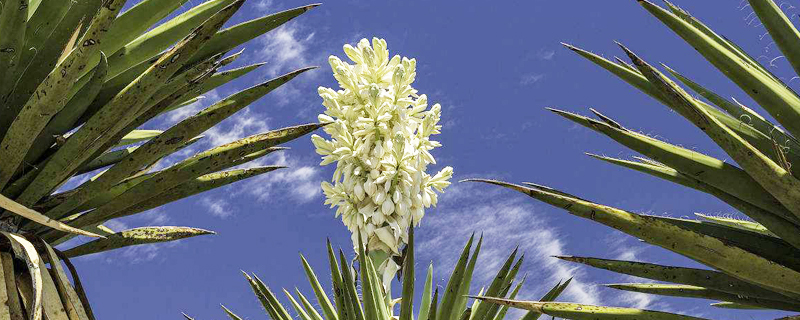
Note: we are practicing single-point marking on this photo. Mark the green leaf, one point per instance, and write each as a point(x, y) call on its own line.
point(308, 306)
point(218, 158)
point(135, 22)
point(25, 251)
point(425, 304)
point(344, 310)
point(709, 170)
point(181, 132)
point(447, 308)
point(149, 44)
point(216, 80)
point(482, 311)
point(234, 36)
point(70, 298)
point(230, 313)
point(734, 305)
point(778, 100)
point(587, 312)
point(13, 22)
point(349, 283)
point(549, 296)
point(262, 297)
point(66, 119)
point(780, 29)
point(702, 293)
point(135, 237)
point(502, 313)
point(687, 276)
point(198, 185)
point(121, 110)
point(704, 249)
point(50, 97)
point(772, 177)
point(297, 308)
point(138, 136)
point(407, 304)
point(319, 292)
point(786, 229)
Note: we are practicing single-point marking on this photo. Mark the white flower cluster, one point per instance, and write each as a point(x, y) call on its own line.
point(380, 140)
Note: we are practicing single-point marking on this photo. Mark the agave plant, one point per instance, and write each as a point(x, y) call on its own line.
point(754, 263)
point(375, 303)
point(78, 81)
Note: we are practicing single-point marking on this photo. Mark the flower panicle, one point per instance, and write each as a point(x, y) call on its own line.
point(380, 139)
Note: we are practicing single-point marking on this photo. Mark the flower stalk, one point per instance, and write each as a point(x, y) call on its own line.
point(380, 139)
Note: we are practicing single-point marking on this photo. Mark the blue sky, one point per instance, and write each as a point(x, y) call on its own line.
point(494, 67)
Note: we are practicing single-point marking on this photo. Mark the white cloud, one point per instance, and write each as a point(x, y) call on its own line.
point(506, 220)
point(264, 5)
point(546, 54)
point(217, 207)
point(300, 180)
point(285, 49)
point(242, 124)
point(530, 79)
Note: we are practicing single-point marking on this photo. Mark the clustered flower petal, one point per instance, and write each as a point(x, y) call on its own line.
point(380, 139)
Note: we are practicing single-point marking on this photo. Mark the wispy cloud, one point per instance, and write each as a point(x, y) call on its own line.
point(530, 79)
point(505, 220)
point(244, 123)
point(546, 54)
point(300, 180)
point(285, 49)
point(217, 207)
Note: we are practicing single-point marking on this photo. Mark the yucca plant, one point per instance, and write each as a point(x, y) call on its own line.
point(77, 81)
point(374, 302)
point(754, 263)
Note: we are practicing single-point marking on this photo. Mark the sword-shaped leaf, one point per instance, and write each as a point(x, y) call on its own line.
point(66, 119)
point(218, 158)
point(13, 22)
point(687, 276)
point(780, 28)
point(319, 292)
point(119, 112)
point(180, 133)
point(407, 304)
point(772, 177)
point(549, 296)
point(777, 224)
point(482, 311)
point(138, 136)
point(135, 237)
point(737, 223)
point(34, 216)
point(446, 310)
point(709, 170)
point(50, 96)
point(778, 100)
point(704, 249)
point(196, 186)
point(425, 305)
point(688, 291)
point(216, 80)
point(576, 311)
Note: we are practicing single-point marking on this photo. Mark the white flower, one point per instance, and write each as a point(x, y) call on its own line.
point(380, 139)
